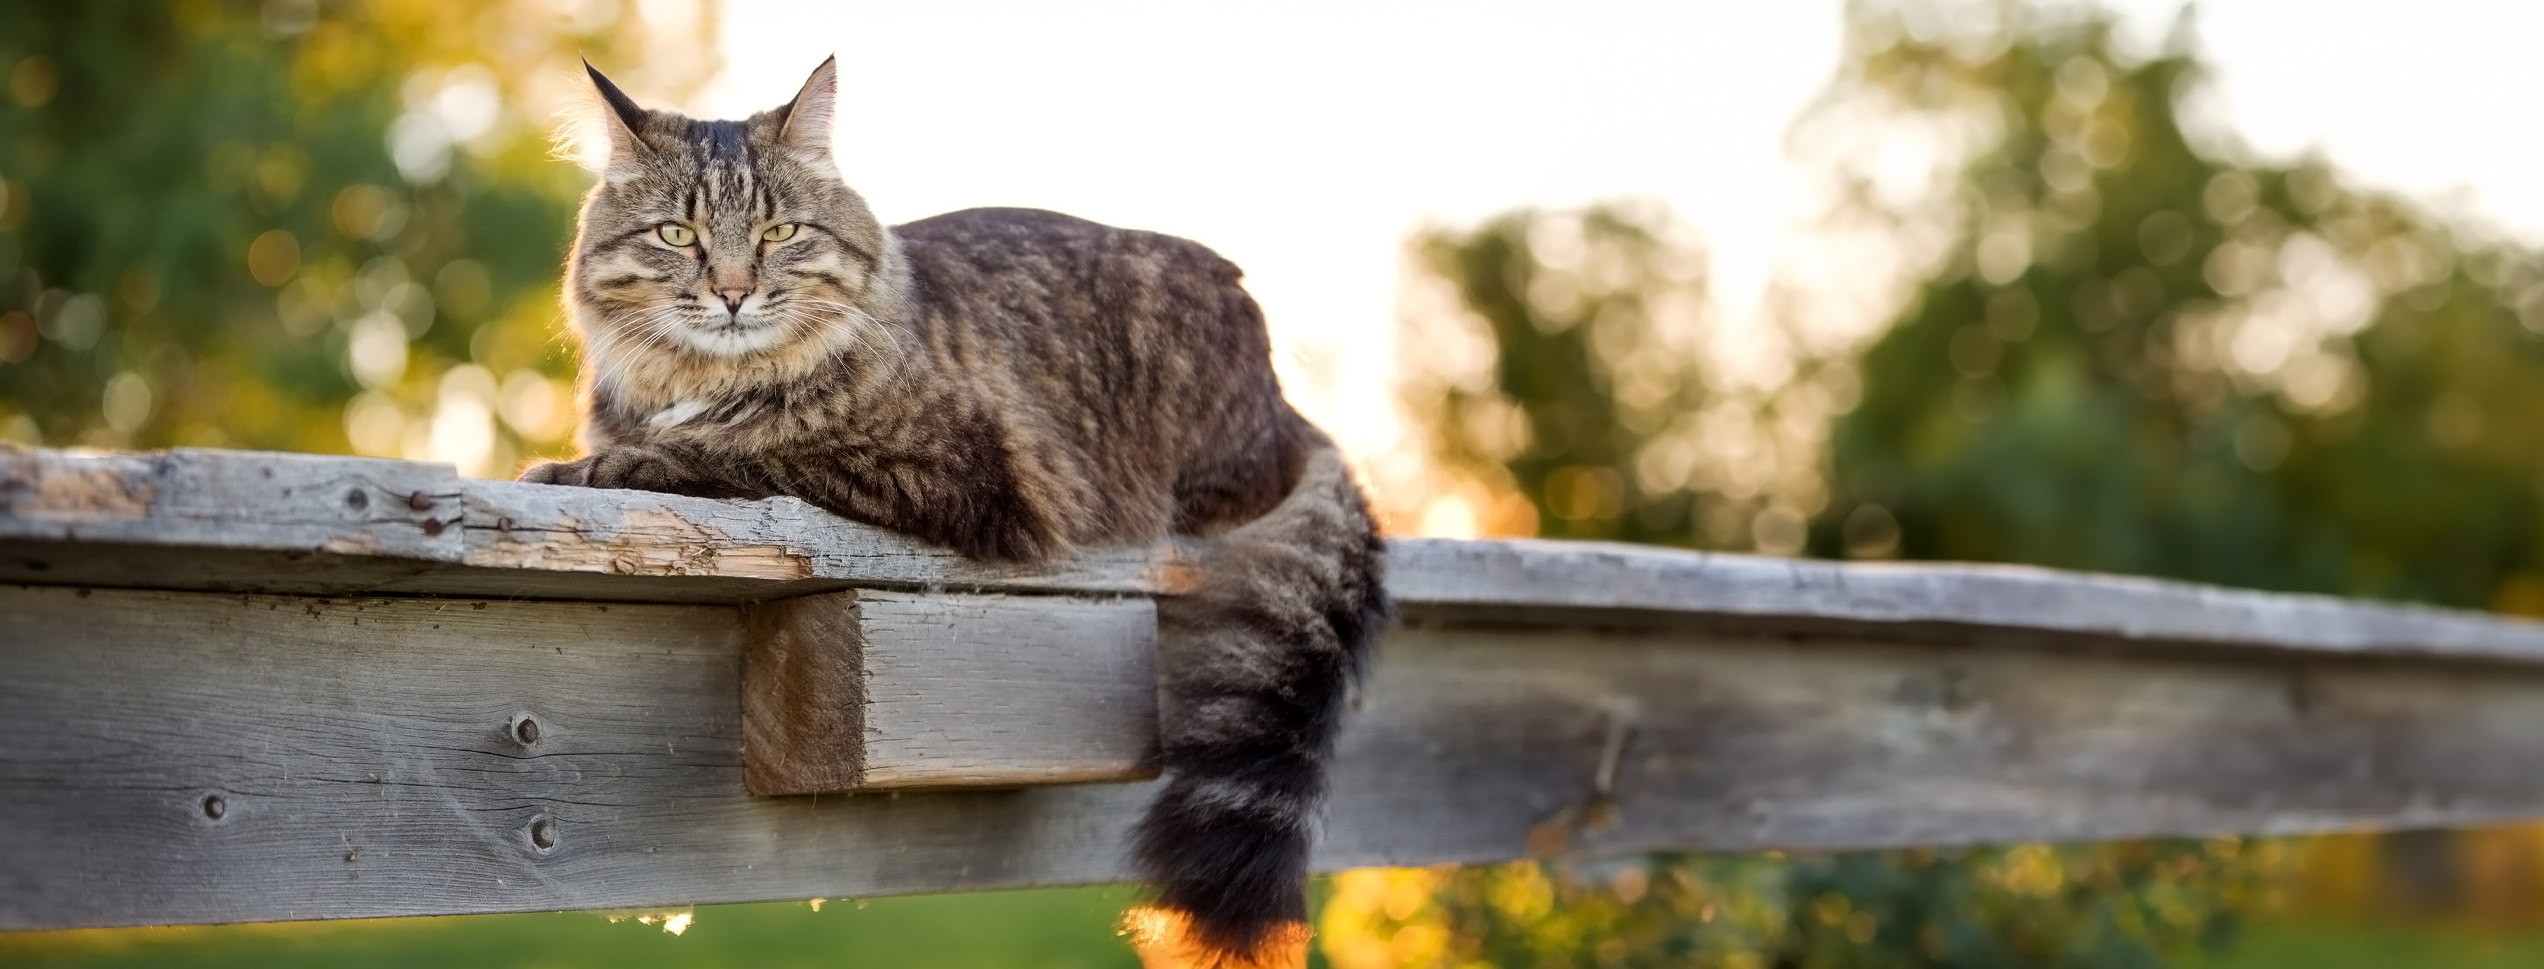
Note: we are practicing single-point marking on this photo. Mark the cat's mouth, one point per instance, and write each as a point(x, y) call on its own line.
point(734, 336)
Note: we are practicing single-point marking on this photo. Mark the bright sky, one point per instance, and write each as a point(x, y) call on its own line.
point(1307, 139)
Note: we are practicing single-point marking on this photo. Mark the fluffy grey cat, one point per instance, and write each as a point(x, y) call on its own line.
point(1014, 384)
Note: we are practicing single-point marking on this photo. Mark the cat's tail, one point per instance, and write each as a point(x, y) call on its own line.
point(1255, 662)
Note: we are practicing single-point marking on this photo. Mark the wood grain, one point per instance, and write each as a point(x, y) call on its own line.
point(991, 690)
point(370, 758)
point(262, 522)
point(879, 690)
point(541, 700)
point(259, 522)
point(1610, 583)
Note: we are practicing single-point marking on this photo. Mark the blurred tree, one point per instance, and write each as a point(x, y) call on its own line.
point(2119, 906)
point(1557, 370)
point(2137, 350)
point(2120, 347)
point(2137, 353)
point(299, 225)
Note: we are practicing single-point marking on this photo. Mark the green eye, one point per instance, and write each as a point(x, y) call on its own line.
point(675, 233)
point(779, 232)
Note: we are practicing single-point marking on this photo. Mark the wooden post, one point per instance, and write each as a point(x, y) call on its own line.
point(880, 690)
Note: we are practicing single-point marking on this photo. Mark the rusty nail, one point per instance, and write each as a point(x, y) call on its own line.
point(214, 807)
point(433, 526)
point(503, 524)
point(526, 731)
point(419, 501)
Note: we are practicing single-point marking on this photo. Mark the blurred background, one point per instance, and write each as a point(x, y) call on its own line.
point(2249, 293)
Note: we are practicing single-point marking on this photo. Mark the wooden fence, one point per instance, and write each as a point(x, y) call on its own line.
point(242, 687)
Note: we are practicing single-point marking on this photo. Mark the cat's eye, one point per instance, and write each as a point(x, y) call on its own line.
point(675, 233)
point(779, 232)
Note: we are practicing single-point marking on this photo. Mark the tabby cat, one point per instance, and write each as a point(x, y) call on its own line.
point(1014, 384)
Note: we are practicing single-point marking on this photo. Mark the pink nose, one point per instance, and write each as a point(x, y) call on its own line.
point(733, 299)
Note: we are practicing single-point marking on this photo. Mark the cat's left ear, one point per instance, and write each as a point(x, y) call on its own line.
point(808, 118)
point(601, 130)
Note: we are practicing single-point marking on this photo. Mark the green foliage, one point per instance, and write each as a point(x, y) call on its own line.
point(2127, 351)
point(221, 222)
point(2136, 357)
point(1588, 318)
point(2033, 907)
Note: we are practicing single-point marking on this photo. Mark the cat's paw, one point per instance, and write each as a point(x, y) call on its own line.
point(634, 469)
point(571, 473)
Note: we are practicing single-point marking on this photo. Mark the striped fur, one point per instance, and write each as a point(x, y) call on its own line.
point(1014, 384)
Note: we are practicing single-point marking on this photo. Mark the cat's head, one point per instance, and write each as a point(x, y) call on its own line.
point(725, 244)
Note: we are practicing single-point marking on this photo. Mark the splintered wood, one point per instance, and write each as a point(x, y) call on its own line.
point(255, 522)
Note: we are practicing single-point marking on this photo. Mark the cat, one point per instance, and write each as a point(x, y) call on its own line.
point(1014, 384)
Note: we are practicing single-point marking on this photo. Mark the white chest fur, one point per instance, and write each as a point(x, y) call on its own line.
point(675, 415)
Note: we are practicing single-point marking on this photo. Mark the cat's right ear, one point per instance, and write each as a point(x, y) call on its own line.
point(809, 116)
point(602, 133)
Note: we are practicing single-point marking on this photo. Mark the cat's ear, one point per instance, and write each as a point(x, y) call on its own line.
point(808, 118)
point(602, 133)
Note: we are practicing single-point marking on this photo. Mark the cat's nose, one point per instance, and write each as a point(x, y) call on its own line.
point(733, 299)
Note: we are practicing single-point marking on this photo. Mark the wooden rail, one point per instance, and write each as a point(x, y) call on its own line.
point(244, 687)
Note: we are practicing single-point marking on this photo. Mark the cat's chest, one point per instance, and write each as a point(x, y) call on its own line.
point(678, 415)
point(733, 427)
point(717, 425)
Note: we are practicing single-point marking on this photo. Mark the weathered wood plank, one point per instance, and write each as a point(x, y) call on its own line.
point(260, 522)
point(248, 521)
point(882, 690)
point(1499, 736)
point(371, 758)
point(1568, 581)
point(230, 499)
point(576, 539)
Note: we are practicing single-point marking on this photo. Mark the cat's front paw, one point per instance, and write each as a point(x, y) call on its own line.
point(571, 473)
point(635, 469)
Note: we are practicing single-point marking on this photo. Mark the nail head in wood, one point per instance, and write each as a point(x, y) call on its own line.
point(214, 807)
point(543, 833)
point(525, 730)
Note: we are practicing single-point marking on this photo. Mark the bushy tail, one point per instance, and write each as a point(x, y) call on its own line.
point(1256, 663)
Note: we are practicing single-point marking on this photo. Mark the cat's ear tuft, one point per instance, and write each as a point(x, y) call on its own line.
point(600, 129)
point(808, 118)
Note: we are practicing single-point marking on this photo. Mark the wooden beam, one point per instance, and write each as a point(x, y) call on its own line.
point(369, 757)
point(877, 690)
point(260, 522)
point(232, 692)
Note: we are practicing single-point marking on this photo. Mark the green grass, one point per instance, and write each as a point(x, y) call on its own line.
point(2378, 945)
point(1052, 929)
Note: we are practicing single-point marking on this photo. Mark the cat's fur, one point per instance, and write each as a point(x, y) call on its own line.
point(1014, 384)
